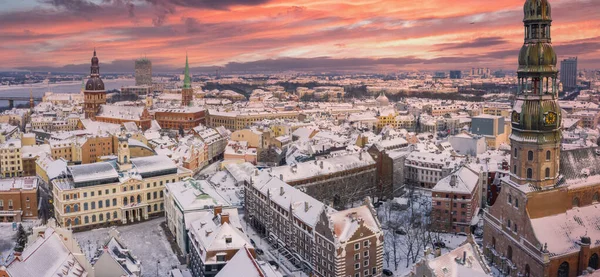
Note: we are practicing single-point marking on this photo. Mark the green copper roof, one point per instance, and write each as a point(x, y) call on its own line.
point(187, 81)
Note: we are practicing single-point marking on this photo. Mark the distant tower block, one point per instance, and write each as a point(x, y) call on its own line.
point(94, 94)
point(187, 93)
point(31, 102)
point(143, 72)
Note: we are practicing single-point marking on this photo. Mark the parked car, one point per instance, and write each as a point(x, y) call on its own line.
point(274, 264)
point(259, 251)
point(400, 232)
point(377, 204)
point(387, 272)
point(439, 244)
point(252, 242)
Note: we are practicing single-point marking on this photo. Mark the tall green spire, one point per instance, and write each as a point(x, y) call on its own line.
point(187, 81)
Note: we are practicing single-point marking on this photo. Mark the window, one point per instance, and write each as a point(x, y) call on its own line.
point(93, 205)
point(85, 206)
point(107, 203)
point(515, 227)
point(93, 218)
point(366, 254)
point(366, 243)
point(356, 265)
point(92, 194)
point(101, 217)
point(510, 198)
point(100, 204)
point(148, 196)
point(595, 197)
point(114, 201)
point(99, 192)
point(161, 194)
point(529, 173)
point(366, 263)
point(85, 194)
point(516, 202)
point(575, 202)
point(509, 253)
point(114, 215)
point(548, 155)
point(154, 194)
point(107, 216)
point(374, 271)
point(68, 209)
point(563, 270)
point(530, 155)
point(357, 256)
point(508, 224)
point(547, 172)
point(514, 169)
point(86, 219)
point(114, 190)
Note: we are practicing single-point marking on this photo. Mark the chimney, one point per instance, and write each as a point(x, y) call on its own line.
point(281, 177)
point(218, 210)
point(224, 218)
point(321, 164)
point(208, 232)
point(452, 180)
point(464, 257)
point(360, 155)
point(306, 207)
point(281, 192)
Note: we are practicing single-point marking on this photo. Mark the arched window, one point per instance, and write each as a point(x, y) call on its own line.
point(148, 196)
point(529, 173)
point(149, 208)
point(125, 158)
point(93, 218)
point(515, 152)
point(593, 263)
point(530, 155)
point(69, 222)
point(154, 194)
point(85, 206)
point(99, 204)
point(67, 209)
point(114, 215)
point(86, 219)
point(139, 199)
point(509, 253)
point(161, 194)
point(131, 199)
point(517, 202)
point(107, 216)
point(125, 201)
point(548, 155)
point(155, 207)
point(114, 201)
point(101, 217)
point(76, 207)
point(162, 206)
point(595, 197)
point(93, 205)
point(575, 202)
point(563, 270)
point(547, 172)
point(527, 271)
point(77, 221)
point(107, 203)
point(514, 169)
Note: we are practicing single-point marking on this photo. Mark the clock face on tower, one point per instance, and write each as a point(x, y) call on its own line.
point(515, 117)
point(550, 118)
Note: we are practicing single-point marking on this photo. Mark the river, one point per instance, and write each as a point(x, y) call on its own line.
point(39, 90)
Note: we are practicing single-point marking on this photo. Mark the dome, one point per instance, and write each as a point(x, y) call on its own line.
point(382, 100)
point(537, 10)
point(537, 56)
point(544, 115)
point(94, 83)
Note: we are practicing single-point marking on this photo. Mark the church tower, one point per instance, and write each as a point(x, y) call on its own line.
point(536, 116)
point(187, 93)
point(94, 94)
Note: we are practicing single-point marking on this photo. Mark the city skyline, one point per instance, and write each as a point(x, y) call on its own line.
point(280, 35)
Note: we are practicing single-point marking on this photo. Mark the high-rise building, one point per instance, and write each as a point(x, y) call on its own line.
point(455, 74)
point(94, 94)
point(568, 73)
point(187, 93)
point(143, 72)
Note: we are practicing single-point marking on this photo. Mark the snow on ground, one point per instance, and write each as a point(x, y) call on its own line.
point(146, 240)
point(7, 238)
point(398, 211)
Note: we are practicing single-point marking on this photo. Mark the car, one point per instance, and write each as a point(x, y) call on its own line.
point(274, 264)
point(387, 272)
point(439, 244)
point(400, 232)
point(259, 251)
point(377, 204)
point(252, 242)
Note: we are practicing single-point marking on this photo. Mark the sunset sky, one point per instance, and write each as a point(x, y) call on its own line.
point(277, 35)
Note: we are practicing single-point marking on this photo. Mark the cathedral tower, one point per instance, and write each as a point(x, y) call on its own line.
point(187, 93)
point(94, 94)
point(536, 117)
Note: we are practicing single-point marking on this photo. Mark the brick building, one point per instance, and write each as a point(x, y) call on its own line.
point(18, 199)
point(185, 117)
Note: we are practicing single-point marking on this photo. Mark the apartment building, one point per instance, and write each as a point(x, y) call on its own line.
point(18, 199)
point(455, 201)
point(121, 114)
point(319, 239)
point(11, 161)
point(237, 120)
point(107, 193)
point(215, 142)
point(425, 169)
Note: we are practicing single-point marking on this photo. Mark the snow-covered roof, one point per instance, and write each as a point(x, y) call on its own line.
point(347, 222)
point(452, 265)
point(47, 257)
point(25, 183)
point(189, 197)
point(244, 264)
point(462, 181)
point(311, 169)
point(152, 164)
point(91, 172)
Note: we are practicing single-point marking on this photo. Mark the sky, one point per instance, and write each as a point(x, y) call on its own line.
point(280, 35)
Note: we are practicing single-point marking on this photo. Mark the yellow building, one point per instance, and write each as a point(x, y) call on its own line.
point(239, 120)
point(108, 193)
point(11, 161)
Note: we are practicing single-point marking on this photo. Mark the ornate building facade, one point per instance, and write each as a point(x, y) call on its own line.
point(94, 94)
point(543, 222)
